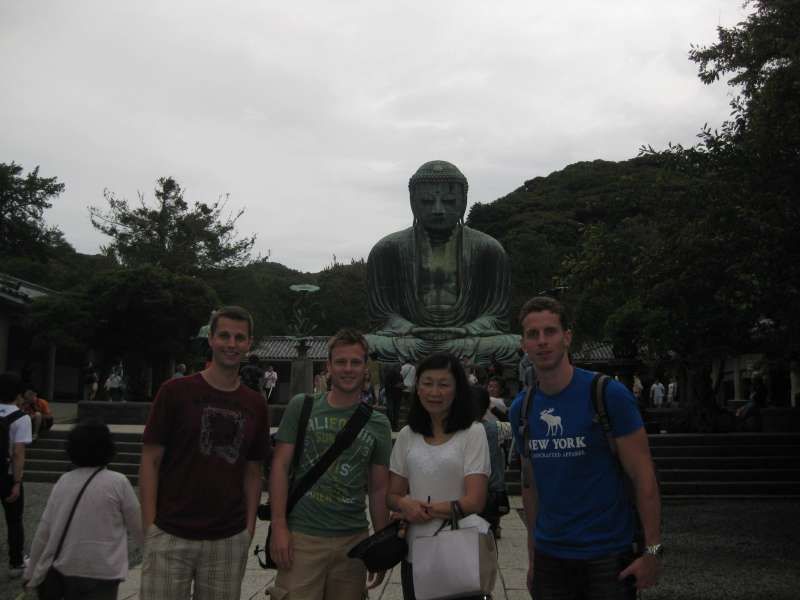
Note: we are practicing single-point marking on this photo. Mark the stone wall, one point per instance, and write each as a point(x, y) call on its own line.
point(117, 413)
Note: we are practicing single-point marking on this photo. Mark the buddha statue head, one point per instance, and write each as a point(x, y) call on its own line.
point(438, 193)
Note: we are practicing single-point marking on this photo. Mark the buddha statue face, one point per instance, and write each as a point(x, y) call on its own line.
point(438, 205)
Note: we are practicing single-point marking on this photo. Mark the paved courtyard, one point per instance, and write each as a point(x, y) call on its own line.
point(717, 550)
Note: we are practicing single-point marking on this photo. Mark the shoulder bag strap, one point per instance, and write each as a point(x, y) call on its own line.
point(300, 438)
point(72, 513)
point(343, 441)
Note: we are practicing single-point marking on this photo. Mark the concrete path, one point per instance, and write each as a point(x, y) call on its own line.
point(510, 583)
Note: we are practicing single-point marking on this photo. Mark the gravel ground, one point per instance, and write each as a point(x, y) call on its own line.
point(716, 550)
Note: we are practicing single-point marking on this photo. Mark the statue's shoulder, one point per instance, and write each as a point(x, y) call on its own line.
point(481, 240)
point(395, 240)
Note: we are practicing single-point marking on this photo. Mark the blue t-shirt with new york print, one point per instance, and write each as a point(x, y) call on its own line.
point(584, 509)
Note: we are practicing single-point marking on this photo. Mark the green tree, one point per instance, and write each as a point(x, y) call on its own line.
point(23, 200)
point(342, 298)
point(148, 315)
point(172, 233)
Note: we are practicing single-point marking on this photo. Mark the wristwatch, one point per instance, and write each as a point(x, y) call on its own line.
point(656, 550)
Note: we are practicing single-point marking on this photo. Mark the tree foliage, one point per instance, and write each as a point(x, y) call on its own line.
point(171, 233)
point(23, 200)
point(342, 298)
point(748, 175)
point(148, 310)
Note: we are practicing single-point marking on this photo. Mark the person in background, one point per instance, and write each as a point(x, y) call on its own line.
point(321, 382)
point(12, 490)
point(253, 375)
point(497, 405)
point(270, 381)
point(114, 384)
point(180, 371)
point(374, 368)
point(90, 381)
point(498, 433)
point(672, 392)
point(638, 388)
point(657, 393)
point(38, 409)
point(393, 389)
point(367, 391)
point(94, 558)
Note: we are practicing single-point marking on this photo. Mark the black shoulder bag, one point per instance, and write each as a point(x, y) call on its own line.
point(52, 586)
point(343, 440)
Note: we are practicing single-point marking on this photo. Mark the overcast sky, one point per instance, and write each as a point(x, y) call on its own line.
point(313, 115)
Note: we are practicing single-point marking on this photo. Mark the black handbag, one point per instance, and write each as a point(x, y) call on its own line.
point(343, 440)
point(383, 549)
point(52, 586)
point(497, 504)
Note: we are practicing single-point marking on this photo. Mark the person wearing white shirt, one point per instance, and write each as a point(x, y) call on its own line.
point(12, 492)
point(94, 558)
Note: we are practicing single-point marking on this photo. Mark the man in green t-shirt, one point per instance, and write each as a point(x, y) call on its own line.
point(310, 547)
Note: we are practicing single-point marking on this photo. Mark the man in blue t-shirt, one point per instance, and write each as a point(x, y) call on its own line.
point(576, 502)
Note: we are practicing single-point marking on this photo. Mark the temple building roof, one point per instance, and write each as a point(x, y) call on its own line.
point(284, 348)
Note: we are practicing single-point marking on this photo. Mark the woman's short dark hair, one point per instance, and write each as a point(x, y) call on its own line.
point(462, 411)
point(89, 444)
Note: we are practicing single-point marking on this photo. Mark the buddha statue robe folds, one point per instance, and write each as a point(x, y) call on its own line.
point(439, 286)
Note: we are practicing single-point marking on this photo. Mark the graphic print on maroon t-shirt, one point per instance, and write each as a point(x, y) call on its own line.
point(221, 433)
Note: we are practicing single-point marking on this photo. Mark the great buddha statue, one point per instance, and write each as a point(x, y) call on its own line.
point(439, 286)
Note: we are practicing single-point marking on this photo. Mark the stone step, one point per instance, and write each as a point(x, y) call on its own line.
point(51, 443)
point(727, 462)
point(714, 489)
point(728, 475)
point(60, 454)
point(725, 451)
point(739, 488)
point(62, 466)
point(61, 434)
point(689, 465)
point(723, 439)
point(52, 476)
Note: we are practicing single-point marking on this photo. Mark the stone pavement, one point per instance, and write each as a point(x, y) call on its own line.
point(512, 553)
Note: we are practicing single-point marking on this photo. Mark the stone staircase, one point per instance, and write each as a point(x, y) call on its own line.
point(46, 459)
point(734, 465)
point(747, 465)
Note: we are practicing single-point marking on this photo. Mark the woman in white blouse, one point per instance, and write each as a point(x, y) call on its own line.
point(94, 558)
point(441, 455)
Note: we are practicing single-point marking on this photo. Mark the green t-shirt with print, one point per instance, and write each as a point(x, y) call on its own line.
point(335, 505)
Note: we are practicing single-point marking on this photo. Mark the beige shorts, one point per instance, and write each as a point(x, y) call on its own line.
point(321, 570)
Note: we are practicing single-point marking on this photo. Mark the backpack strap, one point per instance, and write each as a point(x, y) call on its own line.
point(599, 385)
point(522, 427)
point(11, 417)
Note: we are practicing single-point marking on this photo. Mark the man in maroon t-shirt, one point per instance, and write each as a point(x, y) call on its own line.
point(200, 477)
